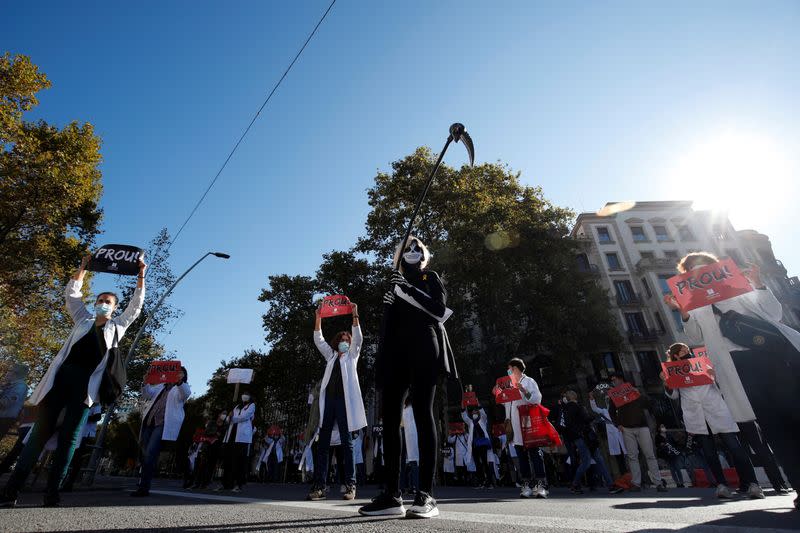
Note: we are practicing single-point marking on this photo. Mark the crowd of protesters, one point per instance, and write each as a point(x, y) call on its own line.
point(588, 441)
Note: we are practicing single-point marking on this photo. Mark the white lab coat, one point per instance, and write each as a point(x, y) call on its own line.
point(463, 448)
point(173, 411)
point(244, 418)
point(449, 462)
point(616, 444)
point(470, 425)
point(84, 322)
point(410, 433)
point(512, 411)
point(703, 405)
point(356, 416)
point(703, 328)
point(269, 445)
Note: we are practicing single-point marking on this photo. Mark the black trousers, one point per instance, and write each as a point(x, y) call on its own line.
point(772, 381)
point(236, 460)
point(482, 465)
point(751, 435)
point(411, 365)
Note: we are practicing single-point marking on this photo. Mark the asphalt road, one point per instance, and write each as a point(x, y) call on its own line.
point(108, 507)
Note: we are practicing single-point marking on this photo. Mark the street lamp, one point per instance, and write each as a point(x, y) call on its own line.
point(91, 468)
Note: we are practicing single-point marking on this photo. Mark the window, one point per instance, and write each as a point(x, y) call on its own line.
point(677, 320)
point(605, 364)
point(685, 233)
point(625, 292)
point(671, 254)
point(583, 262)
point(647, 255)
point(661, 233)
point(659, 321)
point(662, 282)
point(613, 261)
point(603, 235)
point(638, 234)
point(646, 286)
point(718, 233)
point(636, 323)
point(650, 365)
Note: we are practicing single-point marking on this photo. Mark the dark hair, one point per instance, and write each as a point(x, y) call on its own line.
point(116, 298)
point(338, 338)
point(185, 374)
point(690, 260)
point(675, 349)
point(517, 363)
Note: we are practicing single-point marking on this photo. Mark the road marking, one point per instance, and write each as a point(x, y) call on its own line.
point(553, 522)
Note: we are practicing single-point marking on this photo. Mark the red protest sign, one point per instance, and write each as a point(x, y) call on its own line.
point(274, 431)
point(469, 399)
point(163, 372)
point(624, 394)
point(708, 285)
point(700, 351)
point(688, 372)
point(456, 428)
point(506, 391)
point(335, 305)
point(200, 436)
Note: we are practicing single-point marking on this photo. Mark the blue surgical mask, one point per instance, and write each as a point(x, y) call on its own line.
point(344, 347)
point(510, 372)
point(103, 309)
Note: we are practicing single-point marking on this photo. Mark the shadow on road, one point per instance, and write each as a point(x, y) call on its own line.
point(761, 520)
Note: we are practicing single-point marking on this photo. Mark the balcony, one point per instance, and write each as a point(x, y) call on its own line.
point(589, 270)
point(656, 263)
point(773, 267)
point(645, 337)
point(629, 300)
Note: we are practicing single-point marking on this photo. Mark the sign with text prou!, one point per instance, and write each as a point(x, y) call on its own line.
point(163, 372)
point(335, 305)
point(469, 399)
point(624, 394)
point(700, 351)
point(506, 391)
point(688, 372)
point(116, 259)
point(709, 285)
point(240, 375)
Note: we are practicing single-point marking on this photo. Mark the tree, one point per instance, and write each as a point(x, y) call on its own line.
point(49, 216)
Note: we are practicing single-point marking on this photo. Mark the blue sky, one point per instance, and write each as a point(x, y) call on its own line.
point(595, 101)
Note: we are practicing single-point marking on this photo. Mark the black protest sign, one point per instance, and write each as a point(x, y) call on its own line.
point(116, 259)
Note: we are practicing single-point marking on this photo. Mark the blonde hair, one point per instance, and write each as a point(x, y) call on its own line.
point(426, 254)
point(689, 260)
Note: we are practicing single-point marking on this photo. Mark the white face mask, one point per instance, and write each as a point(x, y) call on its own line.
point(103, 309)
point(245, 398)
point(413, 255)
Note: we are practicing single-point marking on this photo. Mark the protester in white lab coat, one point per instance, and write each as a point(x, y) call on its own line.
point(238, 442)
point(616, 444)
point(358, 457)
point(704, 408)
point(758, 374)
point(340, 402)
point(475, 421)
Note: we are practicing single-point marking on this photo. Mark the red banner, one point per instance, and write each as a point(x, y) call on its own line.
point(688, 372)
point(506, 391)
point(335, 305)
point(163, 372)
point(700, 351)
point(498, 429)
point(469, 399)
point(456, 428)
point(624, 394)
point(200, 436)
point(708, 285)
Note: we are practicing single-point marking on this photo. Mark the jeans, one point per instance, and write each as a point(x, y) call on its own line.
point(149, 448)
point(675, 467)
point(482, 465)
point(335, 413)
point(528, 456)
point(68, 393)
point(740, 458)
point(586, 456)
point(634, 439)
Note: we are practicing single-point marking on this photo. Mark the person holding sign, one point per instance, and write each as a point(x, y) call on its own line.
point(73, 381)
point(414, 352)
point(757, 365)
point(237, 443)
point(162, 419)
point(475, 421)
point(340, 402)
point(529, 395)
point(631, 420)
point(703, 409)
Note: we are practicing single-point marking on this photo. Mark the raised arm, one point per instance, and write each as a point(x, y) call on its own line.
point(323, 347)
point(74, 297)
point(131, 312)
point(357, 337)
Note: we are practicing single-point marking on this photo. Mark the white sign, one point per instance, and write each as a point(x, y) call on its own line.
point(240, 375)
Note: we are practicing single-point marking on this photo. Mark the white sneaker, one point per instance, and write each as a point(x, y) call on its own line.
point(526, 491)
point(539, 491)
point(723, 492)
point(754, 492)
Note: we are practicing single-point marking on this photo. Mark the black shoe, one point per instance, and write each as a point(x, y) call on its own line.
point(613, 489)
point(424, 506)
point(575, 489)
point(384, 504)
point(140, 493)
point(51, 500)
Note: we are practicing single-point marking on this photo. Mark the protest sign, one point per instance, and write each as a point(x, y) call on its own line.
point(116, 259)
point(469, 399)
point(163, 372)
point(274, 431)
point(240, 375)
point(335, 305)
point(624, 394)
point(456, 428)
point(688, 372)
point(700, 351)
point(506, 391)
point(708, 285)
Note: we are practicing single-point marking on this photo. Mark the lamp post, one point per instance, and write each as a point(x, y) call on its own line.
point(91, 468)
